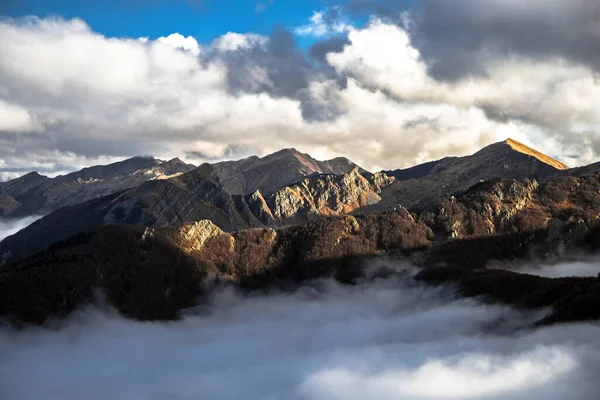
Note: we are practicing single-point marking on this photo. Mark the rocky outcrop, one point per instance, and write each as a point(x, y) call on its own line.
point(485, 209)
point(194, 236)
point(258, 206)
point(380, 180)
point(326, 195)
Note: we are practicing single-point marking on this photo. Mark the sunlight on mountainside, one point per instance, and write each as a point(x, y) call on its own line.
point(520, 147)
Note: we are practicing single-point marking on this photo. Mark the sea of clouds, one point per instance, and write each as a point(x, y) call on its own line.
point(387, 339)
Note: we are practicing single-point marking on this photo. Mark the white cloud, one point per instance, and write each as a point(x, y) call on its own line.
point(555, 96)
point(379, 340)
point(575, 268)
point(179, 41)
point(320, 27)
point(108, 98)
point(14, 118)
point(10, 226)
point(232, 41)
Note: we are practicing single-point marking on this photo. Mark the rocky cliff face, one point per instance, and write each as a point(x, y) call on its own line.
point(511, 219)
point(326, 195)
point(485, 209)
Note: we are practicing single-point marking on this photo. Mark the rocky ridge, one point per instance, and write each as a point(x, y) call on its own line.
point(37, 194)
point(197, 195)
point(421, 185)
point(282, 168)
point(153, 273)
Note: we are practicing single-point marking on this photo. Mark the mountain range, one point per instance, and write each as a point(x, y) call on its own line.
point(161, 227)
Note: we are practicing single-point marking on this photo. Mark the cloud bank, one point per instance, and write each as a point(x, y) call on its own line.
point(576, 268)
point(10, 226)
point(416, 82)
point(382, 340)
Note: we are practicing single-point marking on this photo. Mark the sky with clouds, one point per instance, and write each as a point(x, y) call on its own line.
point(386, 83)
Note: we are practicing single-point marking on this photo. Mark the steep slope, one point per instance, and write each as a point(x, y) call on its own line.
point(510, 159)
point(325, 195)
point(92, 182)
point(276, 170)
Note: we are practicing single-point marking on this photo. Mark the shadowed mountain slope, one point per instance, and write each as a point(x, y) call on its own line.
point(276, 170)
point(37, 194)
point(423, 184)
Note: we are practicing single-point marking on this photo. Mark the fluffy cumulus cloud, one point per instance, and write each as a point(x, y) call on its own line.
point(381, 340)
point(398, 90)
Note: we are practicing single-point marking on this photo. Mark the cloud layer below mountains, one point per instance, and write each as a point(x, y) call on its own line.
point(380, 340)
point(437, 78)
point(10, 226)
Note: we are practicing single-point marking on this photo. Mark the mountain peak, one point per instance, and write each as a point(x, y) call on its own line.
point(521, 148)
point(285, 152)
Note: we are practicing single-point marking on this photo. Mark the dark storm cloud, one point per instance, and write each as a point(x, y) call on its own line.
point(319, 49)
point(287, 69)
point(281, 69)
point(457, 38)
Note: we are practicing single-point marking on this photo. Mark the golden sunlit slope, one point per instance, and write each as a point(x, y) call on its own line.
point(521, 148)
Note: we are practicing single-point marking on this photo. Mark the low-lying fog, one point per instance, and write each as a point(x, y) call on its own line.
point(383, 340)
point(10, 226)
point(575, 268)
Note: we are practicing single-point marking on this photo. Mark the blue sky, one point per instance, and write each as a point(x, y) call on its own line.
point(203, 19)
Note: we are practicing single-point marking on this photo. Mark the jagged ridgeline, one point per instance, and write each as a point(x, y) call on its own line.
point(202, 194)
point(283, 219)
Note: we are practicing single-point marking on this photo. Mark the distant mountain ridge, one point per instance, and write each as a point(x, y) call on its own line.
point(37, 194)
point(422, 184)
point(219, 192)
point(201, 195)
point(276, 170)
